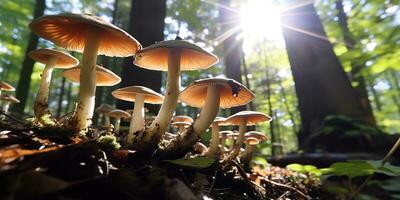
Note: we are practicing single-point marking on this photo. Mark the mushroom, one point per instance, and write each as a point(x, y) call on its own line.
point(6, 87)
point(209, 94)
point(103, 109)
point(247, 154)
point(139, 95)
point(223, 136)
point(233, 137)
point(92, 36)
point(7, 101)
point(244, 119)
point(103, 76)
point(52, 59)
point(181, 126)
point(200, 148)
point(173, 56)
point(214, 148)
point(117, 115)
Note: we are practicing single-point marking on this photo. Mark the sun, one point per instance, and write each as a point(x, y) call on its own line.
point(260, 20)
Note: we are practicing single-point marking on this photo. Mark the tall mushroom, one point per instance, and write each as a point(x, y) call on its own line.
point(52, 59)
point(6, 87)
point(214, 148)
point(208, 94)
point(244, 119)
point(92, 36)
point(173, 56)
point(117, 115)
point(139, 95)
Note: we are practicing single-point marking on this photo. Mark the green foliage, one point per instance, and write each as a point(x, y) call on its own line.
point(307, 169)
point(356, 168)
point(196, 163)
point(109, 142)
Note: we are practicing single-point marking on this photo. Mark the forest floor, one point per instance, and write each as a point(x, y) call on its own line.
point(50, 163)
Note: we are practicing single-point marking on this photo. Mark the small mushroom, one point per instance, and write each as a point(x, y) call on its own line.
point(92, 36)
point(247, 154)
point(102, 110)
point(223, 137)
point(139, 95)
point(214, 148)
point(7, 101)
point(103, 76)
point(181, 126)
point(6, 87)
point(173, 56)
point(117, 115)
point(244, 119)
point(233, 137)
point(200, 148)
point(52, 59)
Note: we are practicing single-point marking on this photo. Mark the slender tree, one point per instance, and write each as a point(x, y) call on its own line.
point(27, 65)
point(147, 28)
point(322, 86)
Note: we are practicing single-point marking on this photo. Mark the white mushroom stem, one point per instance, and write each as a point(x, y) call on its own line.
point(238, 143)
point(6, 106)
point(222, 145)
point(214, 146)
point(137, 120)
point(248, 153)
point(160, 124)
point(106, 120)
point(117, 124)
point(41, 105)
point(87, 88)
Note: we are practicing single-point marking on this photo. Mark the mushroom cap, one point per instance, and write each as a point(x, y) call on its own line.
point(118, 113)
point(68, 30)
point(168, 136)
point(225, 133)
point(233, 135)
point(104, 108)
point(64, 60)
point(193, 57)
point(252, 140)
point(104, 77)
point(129, 94)
point(200, 147)
point(10, 98)
point(232, 93)
point(182, 118)
point(255, 134)
point(252, 118)
point(6, 87)
point(177, 124)
point(220, 121)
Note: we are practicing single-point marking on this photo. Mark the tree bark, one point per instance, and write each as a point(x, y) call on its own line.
point(147, 28)
point(321, 84)
point(232, 47)
point(27, 65)
point(350, 43)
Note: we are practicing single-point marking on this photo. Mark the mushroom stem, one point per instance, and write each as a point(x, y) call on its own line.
point(137, 120)
point(117, 124)
point(238, 143)
point(106, 120)
point(222, 145)
point(160, 124)
point(5, 106)
point(181, 128)
point(214, 146)
point(41, 105)
point(87, 88)
point(248, 153)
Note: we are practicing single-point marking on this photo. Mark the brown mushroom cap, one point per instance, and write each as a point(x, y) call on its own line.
point(177, 124)
point(64, 60)
point(129, 94)
point(68, 30)
point(252, 118)
point(220, 121)
point(104, 77)
point(6, 87)
point(182, 118)
point(252, 140)
point(193, 57)
point(231, 93)
point(118, 113)
point(10, 98)
point(200, 147)
point(255, 134)
point(104, 108)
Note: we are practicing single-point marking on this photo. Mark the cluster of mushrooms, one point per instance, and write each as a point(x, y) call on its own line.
point(7, 99)
point(93, 36)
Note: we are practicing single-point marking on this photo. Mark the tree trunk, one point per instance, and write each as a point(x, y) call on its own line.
point(24, 82)
point(350, 43)
point(322, 86)
point(60, 97)
point(232, 47)
point(375, 94)
point(147, 28)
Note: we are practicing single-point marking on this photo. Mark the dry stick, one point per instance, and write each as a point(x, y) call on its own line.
point(385, 159)
point(249, 182)
point(213, 182)
point(286, 187)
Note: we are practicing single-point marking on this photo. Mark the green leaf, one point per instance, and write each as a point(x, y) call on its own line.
point(197, 162)
point(352, 168)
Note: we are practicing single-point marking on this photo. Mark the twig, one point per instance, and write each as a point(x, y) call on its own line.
point(248, 181)
point(283, 195)
point(385, 159)
point(213, 182)
point(286, 187)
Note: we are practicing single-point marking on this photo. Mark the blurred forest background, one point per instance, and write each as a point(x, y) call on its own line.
point(255, 42)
